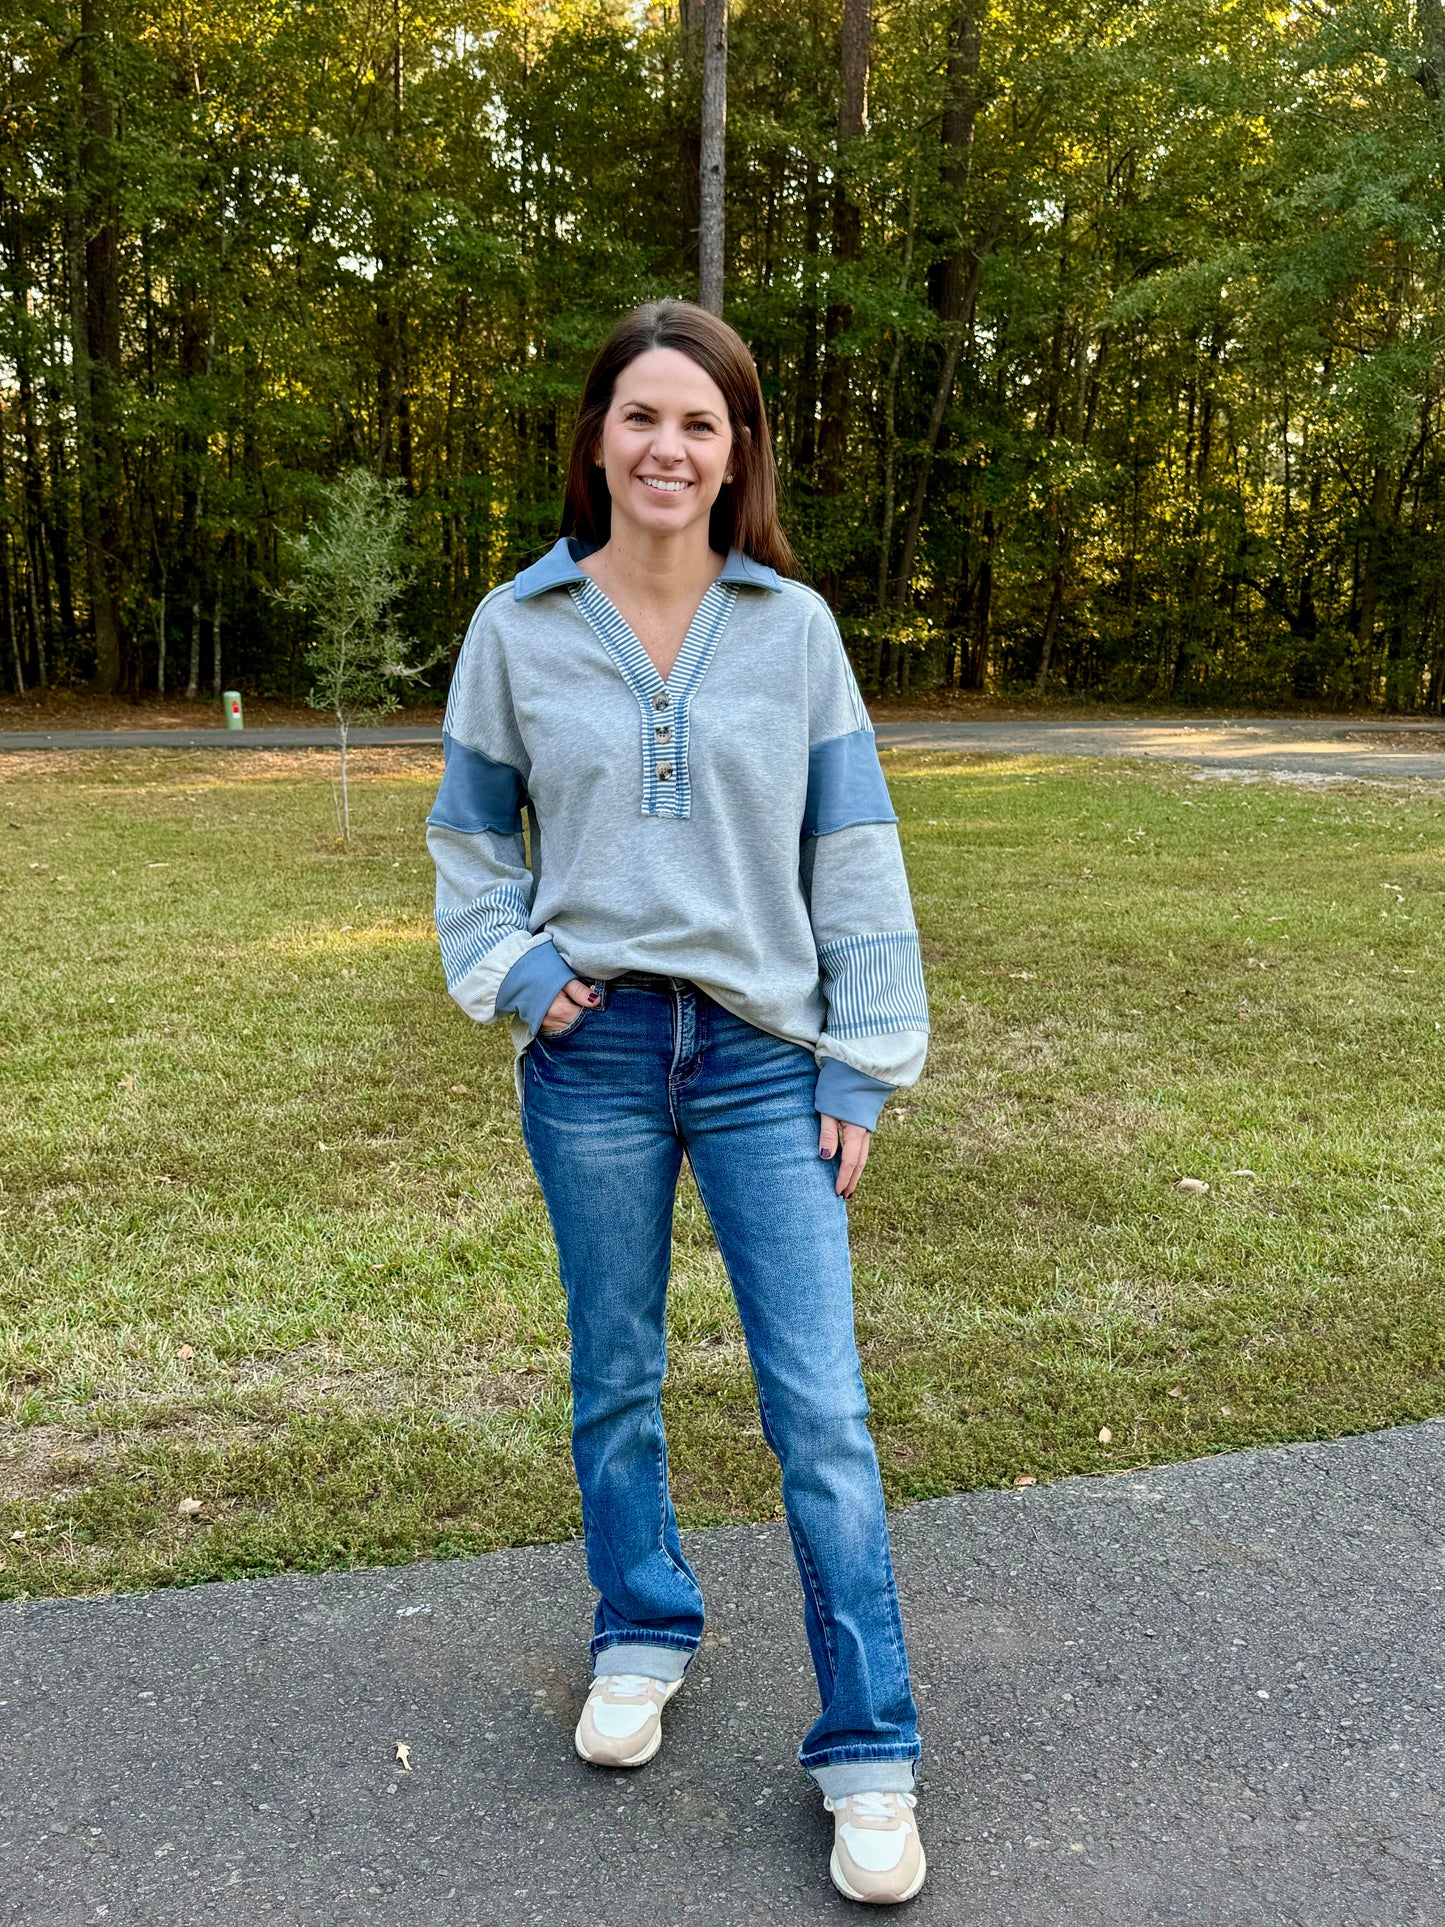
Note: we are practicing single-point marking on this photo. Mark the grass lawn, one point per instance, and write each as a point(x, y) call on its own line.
point(269, 1241)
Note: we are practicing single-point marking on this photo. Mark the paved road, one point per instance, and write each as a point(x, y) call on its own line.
point(1289, 747)
point(1342, 748)
point(1208, 1696)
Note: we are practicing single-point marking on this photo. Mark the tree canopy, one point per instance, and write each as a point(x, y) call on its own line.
point(1102, 342)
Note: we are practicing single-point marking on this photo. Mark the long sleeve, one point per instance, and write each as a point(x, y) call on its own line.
point(484, 890)
point(876, 1034)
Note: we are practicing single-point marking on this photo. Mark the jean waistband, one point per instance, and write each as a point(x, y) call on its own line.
point(647, 980)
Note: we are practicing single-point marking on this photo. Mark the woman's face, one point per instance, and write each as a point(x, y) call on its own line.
point(666, 443)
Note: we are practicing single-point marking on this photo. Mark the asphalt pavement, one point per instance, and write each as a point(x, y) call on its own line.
point(1342, 748)
point(1212, 1693)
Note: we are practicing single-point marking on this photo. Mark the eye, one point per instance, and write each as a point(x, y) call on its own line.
point(705, 428)
point(636, 415)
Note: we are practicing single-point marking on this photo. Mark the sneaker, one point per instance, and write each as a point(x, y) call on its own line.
point(877, 1854)
point(621, 1724)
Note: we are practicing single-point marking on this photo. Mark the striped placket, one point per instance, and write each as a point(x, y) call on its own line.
point(664, 704)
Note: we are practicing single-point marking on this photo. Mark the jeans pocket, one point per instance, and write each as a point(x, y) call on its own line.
point(556, 1036)
point(546, 1038)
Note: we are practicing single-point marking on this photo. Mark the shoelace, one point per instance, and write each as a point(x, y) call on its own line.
point(627, 1686)
point(873, 1806)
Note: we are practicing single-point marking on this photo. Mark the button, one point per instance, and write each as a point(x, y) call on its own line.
point(662, 701)
point(663, 732)
point(664, 772)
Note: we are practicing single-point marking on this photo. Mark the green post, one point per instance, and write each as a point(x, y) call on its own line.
point(232, 703)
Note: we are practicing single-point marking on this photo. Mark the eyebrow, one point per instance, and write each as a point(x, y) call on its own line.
point(697, 413)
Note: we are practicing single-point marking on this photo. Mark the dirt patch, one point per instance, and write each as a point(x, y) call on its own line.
point(1420, 741)
point(67, 709)
point(55, 1462)
point(196, 769)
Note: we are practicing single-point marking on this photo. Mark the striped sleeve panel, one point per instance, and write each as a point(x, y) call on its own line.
point(471, 932)
point(874, 984)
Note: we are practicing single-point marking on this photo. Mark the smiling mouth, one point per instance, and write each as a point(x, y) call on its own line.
point(660, 487)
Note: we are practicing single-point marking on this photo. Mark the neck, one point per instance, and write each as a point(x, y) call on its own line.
point(680, 562)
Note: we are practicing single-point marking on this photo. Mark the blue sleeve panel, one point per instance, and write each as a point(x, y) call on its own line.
point(845, 785)
point(532, 983)
point(849, 1095)
point(476, 793)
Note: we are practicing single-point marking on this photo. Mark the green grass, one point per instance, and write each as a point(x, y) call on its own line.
point(269, 1240)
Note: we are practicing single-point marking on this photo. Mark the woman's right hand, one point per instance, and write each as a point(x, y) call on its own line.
point(567, 1006)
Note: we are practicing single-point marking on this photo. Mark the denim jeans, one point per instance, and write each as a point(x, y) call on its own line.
point(609, 1107)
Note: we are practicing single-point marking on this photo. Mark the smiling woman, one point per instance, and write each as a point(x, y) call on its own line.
point(707, 949)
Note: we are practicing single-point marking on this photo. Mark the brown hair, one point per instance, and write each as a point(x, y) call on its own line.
point(745, 514)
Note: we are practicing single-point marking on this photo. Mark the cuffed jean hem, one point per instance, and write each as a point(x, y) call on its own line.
point(843, 1777)
point(648, 1656)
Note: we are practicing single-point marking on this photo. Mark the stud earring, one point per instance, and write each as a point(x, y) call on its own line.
point(727, 478)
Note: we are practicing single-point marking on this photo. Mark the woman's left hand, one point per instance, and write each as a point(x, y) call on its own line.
point(856, 1142)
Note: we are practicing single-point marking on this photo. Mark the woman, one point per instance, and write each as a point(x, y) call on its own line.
point(706, 948)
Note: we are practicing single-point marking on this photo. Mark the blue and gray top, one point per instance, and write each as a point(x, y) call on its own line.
point(728, 823)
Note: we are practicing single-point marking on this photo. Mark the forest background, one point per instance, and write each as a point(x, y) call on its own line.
point(1102, 341)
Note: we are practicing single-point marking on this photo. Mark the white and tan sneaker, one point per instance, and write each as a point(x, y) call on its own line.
point(877, 1854)
point(621, 1724)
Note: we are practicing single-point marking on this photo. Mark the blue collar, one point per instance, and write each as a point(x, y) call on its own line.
point(559, 565)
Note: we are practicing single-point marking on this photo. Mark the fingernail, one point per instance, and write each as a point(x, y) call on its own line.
point(592, 997)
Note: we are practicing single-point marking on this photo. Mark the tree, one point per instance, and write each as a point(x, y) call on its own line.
point(352, 565)
point(711, 232)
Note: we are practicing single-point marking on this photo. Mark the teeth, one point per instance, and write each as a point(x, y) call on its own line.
point(670, 488)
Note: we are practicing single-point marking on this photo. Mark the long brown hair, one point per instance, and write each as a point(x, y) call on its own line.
point(745, 514)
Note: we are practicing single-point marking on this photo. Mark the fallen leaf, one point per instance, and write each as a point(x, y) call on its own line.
point(1175, 1391)
point(185, 1351)
point(192, 1508)
point(403, 1753)
point(460, 1090)
point(1025, 976)
point(1025, 1478)
point(1244, 1172)
point(1192, 1187)
point(127, 1083)
point(1106, 1437)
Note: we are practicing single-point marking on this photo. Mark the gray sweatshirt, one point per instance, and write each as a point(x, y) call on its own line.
point(728, 824)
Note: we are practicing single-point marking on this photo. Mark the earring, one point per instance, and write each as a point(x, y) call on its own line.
point(727, 478)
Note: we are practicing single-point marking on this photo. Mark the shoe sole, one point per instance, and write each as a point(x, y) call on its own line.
point(638, 1759)
point(871, 1900)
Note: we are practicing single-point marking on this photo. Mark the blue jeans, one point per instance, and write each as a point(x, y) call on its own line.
point(609, 1106)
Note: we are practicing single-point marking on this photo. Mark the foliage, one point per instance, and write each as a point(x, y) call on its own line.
point(1188, 438)
point(269, 1240)
point(352, 565)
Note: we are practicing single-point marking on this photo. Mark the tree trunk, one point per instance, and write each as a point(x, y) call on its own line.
point(216, 634)
point(805, 439)
point(847, 239)
point(711, 167)
point(956, 287)
point(7, 586)
point(983, 607)
point(1055, 610)
point(95, 317)
point(1370, 581)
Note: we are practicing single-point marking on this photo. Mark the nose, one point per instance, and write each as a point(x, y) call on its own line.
point(667, 443)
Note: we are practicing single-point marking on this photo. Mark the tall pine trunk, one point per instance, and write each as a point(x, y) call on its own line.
point(855, 51)
point(712, 165)
point(94, 251)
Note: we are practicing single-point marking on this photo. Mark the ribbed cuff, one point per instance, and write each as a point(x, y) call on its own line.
point(530, 987)
point(864, 1776)
point(850, 1095)
point(643, 1656)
